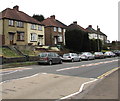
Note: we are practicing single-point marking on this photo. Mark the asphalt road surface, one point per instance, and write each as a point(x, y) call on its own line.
point(59, 81)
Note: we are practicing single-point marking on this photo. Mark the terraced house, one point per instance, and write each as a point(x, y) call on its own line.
point(18, 28)
point(54, 31)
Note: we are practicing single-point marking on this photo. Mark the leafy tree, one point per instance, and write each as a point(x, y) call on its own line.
point(38, 17)
point(86, 43)
point(75, 40)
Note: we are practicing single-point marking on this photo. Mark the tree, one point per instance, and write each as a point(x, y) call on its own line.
point(86, 43)
point(38, 17)
point(77, 40)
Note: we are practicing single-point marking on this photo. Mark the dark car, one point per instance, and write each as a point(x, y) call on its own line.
point(49, 58)
point(99, 55)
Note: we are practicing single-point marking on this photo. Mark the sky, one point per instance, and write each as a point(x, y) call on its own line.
point(103, 13)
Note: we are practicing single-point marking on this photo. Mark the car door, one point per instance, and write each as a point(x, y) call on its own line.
point(57, 58)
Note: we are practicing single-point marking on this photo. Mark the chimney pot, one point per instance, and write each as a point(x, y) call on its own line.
point(16, 8)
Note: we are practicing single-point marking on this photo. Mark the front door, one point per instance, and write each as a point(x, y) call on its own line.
point(11, 39)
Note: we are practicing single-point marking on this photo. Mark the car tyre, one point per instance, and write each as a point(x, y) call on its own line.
point(72, 60)
point(80, 60)
point(50, 62)
point(61, 61)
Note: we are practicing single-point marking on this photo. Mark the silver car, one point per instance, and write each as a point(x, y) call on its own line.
point(71, 57)
point(109, 54)
point(87, 56)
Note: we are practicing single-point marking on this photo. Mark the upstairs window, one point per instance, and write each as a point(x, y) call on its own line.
point(55, 29)
point(33, 26)
point(40, 28)
point(20, 24)
point(59, 30)
point(11, 23)
point(33, 37)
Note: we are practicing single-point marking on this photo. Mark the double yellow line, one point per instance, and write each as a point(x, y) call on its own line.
point(107, 73)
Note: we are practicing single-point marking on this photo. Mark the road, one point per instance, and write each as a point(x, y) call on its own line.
point(53, 82)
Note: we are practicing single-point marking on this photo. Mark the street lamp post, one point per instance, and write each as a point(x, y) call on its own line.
point(98, 40)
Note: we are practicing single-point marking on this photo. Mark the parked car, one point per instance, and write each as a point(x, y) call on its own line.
point(71, 57)
point(99, 55)
point(87, 56)
point(117, 52)
point(49, 58)
point(109, 54)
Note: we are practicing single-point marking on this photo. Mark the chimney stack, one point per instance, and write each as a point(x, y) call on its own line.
point(75, 22)
point(52, 16)
point(98, 29)
point(16, 8)
point(90, 26)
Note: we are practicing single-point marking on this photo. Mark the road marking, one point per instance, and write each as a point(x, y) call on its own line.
point(82, 86)
point(87, 65)
point(79, 91)
point(108, 73)
point(20, 78)
point(12, 70)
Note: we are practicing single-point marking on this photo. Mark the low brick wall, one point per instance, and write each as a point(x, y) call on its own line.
point(33, 58)
point(13, 60)
point(18, 59)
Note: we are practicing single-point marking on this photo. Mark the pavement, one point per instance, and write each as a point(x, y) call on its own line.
point(107, 88)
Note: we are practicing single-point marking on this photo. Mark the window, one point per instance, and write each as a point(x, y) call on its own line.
point(55, 29)
point(40, 28)
point(33, 37)
point(59, 30)
point(64, 30)
point(60, 38)
point(33, 26)
point(20, 24)
point(20, 35)
point(11, 23)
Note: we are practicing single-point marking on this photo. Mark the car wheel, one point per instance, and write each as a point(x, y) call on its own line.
point(60, 62)
point(79, 60)
point(72, 60)
point(50, 62)
point(88, 59)
point(39, 63)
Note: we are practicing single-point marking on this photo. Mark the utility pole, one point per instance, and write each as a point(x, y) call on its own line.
point(98, 39)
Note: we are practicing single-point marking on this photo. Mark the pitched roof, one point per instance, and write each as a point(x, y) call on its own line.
point(53, 22)
point(15, 14)
point(74, 25)
point(91, 30)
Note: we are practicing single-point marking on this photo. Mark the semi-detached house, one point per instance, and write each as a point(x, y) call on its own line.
point(54, 31)
point(93, 34)
point(18, 28)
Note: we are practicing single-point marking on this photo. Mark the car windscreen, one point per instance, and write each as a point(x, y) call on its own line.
point(66, 55)
point(43, 55)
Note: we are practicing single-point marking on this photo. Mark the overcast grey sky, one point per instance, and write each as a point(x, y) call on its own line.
point(103, 13)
